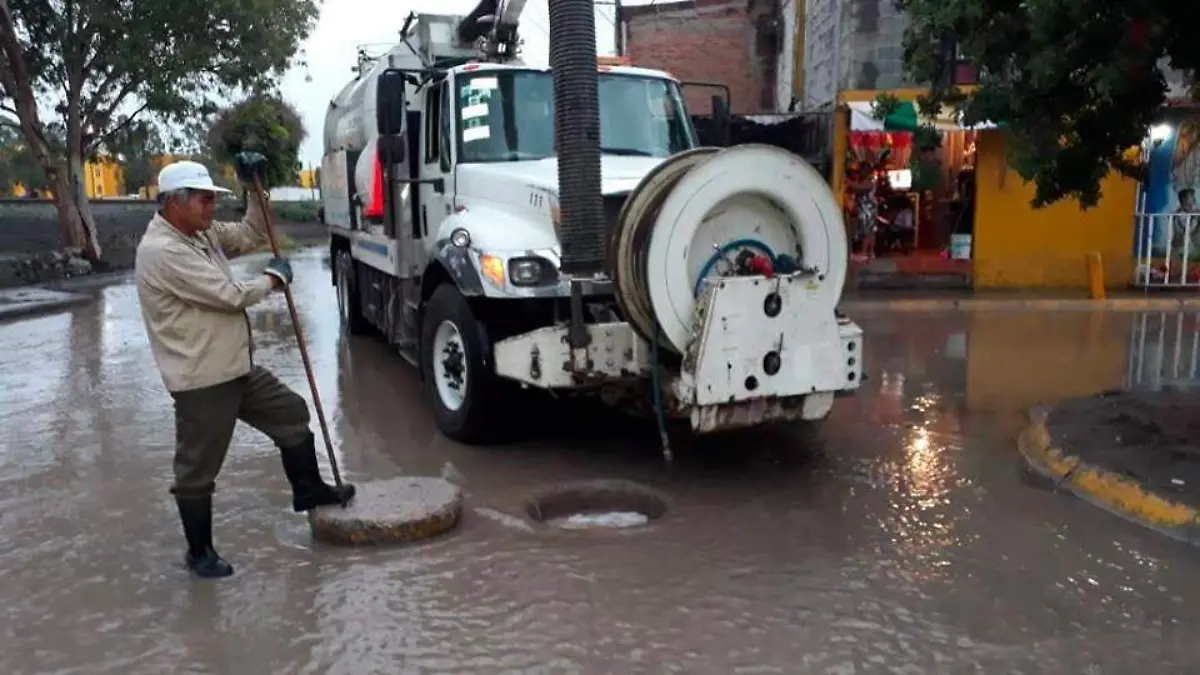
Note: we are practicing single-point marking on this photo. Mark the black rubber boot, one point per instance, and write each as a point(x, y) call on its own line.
point(196, 516)
point(309, 490)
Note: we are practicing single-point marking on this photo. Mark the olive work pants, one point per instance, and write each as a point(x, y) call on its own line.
point(205, 419)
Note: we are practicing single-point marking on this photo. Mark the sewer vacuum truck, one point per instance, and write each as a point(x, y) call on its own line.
point(507, 226)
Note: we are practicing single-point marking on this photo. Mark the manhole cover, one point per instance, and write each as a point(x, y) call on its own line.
point(597, 505)
point(390, 512)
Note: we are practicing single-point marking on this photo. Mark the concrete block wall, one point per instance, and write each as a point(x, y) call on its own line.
point(864, 49)
point(32, 226)
point(876, 45)
point(821, 51)
point(30, 230)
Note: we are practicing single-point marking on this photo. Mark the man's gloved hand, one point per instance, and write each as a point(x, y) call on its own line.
point(248, 165)
point(281, 269)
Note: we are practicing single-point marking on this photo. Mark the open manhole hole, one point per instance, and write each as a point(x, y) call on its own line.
point(597, 505)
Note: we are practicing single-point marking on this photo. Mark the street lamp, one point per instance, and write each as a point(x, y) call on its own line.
point(1160, 133)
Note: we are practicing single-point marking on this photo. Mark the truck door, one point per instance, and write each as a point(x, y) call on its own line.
point(437, 157)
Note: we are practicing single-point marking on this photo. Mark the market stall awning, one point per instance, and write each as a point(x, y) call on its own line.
point(905, 118)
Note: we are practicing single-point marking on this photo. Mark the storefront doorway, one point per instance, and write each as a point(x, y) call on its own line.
point(906, 202)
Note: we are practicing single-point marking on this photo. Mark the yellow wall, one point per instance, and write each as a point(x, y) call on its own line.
point(308, 178)
point(19, 190)
point(841, 140)
point(1017, 246)
point(865, 95)
point(103, 178)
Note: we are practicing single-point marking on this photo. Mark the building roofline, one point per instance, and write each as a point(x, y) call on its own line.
point(667, 9)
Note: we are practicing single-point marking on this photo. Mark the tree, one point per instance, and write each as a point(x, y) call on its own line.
point(261, 123)
point(17, 163)
point(105, 63)
point(1076, 83)
point(137, 146)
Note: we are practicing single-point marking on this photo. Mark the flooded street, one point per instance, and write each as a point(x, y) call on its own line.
point(898, 537)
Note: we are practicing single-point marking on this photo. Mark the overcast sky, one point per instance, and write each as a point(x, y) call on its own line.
point(332, 46)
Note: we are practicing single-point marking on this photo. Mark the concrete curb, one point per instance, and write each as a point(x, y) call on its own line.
point(941, 304)
point(88, 282)
point(1113, 492)
point(43, 302)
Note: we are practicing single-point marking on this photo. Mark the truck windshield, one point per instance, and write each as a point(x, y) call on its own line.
point(508, 116)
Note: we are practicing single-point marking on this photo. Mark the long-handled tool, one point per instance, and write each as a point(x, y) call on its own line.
point(308, 369)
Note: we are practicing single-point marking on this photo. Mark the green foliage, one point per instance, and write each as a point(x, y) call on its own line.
point(17, 163)
point(101, 65)
point(261, 123)
point(1076, 83)
point(885, 105)
point(136, 146)
point(297, 212)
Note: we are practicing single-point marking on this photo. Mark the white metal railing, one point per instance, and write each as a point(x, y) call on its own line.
point(1164, 349)
point(1167, 252)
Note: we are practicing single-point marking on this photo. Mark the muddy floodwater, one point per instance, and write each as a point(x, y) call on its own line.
point(898, 537)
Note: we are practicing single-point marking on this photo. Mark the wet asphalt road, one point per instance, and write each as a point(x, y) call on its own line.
point(898, 537)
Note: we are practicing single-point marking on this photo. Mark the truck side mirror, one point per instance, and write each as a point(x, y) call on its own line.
point(391, 105)
point(720, 119)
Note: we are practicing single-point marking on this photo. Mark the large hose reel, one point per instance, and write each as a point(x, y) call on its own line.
point(693, 214)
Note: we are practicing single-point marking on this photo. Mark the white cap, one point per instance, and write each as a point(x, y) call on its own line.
point(189, 175)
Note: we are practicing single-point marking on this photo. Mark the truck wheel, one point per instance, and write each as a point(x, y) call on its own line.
point(349, 310)
point(458, 383)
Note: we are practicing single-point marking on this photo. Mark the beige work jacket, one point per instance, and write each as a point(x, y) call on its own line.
point(193, 308)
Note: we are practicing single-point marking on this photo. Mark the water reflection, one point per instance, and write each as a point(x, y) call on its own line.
point(1017, 360)
point(1164, 349)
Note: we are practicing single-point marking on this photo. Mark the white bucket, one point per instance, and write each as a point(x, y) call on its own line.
point(960, 247)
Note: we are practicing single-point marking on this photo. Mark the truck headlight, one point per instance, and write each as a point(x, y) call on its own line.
point(530, 271)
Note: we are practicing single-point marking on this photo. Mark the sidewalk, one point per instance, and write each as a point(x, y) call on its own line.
point(22, 302)
point(925, 301)
point(1135, 454)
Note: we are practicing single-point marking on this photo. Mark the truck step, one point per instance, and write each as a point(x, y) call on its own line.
point(408, 351)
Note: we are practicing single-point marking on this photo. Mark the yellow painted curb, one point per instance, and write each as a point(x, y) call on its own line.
point(1111, 491)
point(941, 304)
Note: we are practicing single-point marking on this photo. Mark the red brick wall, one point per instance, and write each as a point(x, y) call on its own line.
point(703, 41)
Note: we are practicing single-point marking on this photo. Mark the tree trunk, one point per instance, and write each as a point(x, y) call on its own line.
point(77, 228)
point(68, 213)
point(83, 227)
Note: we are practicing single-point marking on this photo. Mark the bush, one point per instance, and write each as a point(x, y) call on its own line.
point(297, 212)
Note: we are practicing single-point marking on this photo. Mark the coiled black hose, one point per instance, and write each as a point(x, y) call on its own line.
point(577, 135)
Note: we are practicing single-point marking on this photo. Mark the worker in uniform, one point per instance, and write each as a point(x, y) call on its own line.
point(195, 316)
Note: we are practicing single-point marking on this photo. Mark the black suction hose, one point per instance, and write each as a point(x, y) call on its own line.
point(577, 135)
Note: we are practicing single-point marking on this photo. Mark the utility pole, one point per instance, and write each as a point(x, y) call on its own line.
point(619, 33)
